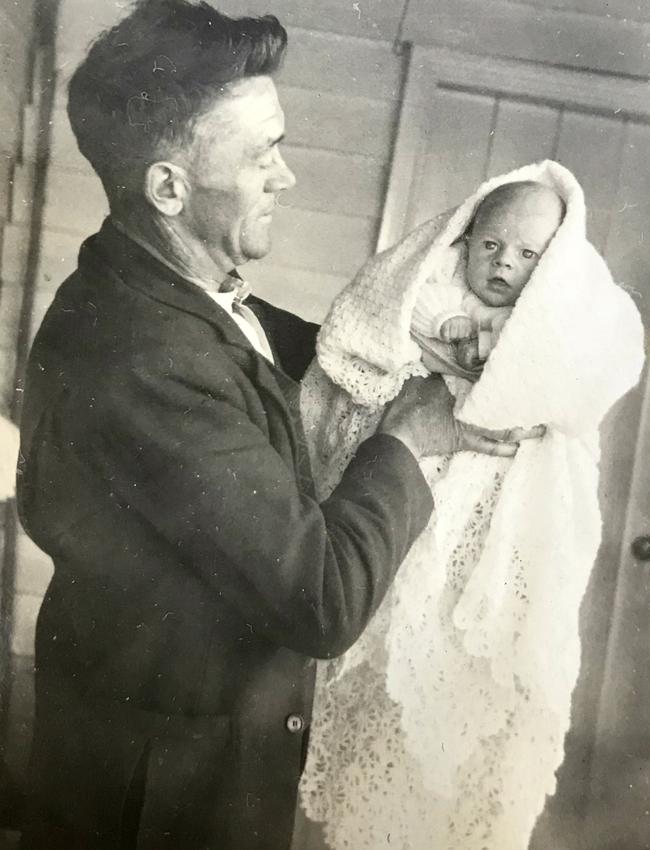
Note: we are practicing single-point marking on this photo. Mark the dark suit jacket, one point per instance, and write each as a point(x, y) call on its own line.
point(196, 577)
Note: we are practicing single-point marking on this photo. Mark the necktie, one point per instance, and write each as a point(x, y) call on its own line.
point(242, 289)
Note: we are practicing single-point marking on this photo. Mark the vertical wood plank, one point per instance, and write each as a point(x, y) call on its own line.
point(524, 133)
point(454, 155)
point(590, 146)
point(407, 148)
point(628, 246)
point(620, 776)
point(628, 253)
point(626, 693)
point(19, 715)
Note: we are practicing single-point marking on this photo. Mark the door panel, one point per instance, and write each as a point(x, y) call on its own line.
point(622, 766)
point(453, 151)
point(628, 246)
point(590, 145)
point(483, 119)
point(524, 132)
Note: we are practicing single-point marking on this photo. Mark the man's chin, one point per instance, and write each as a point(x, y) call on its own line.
point(255, 250)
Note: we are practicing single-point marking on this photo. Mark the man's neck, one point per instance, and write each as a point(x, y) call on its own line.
point(184, 255)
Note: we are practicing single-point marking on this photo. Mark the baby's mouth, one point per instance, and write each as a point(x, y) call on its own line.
point(498, 283)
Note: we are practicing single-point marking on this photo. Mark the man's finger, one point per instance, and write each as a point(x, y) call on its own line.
point(509, 435)
point(529, 434)
point(475, 442)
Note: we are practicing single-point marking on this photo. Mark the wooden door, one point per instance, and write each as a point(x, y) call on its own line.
point(621, 769)
point(466, 118)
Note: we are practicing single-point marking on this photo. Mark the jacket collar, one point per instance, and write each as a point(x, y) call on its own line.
point(112, 251)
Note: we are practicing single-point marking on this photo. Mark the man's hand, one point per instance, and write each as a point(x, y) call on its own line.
point(421, 416)
point(456, 328)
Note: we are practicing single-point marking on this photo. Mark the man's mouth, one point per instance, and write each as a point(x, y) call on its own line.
point(268, 212)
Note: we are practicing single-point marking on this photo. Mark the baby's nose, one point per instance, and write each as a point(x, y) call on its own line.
point(503, 258)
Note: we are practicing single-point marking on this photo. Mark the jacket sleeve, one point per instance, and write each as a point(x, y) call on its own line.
point(305, 575)
point(293, 338)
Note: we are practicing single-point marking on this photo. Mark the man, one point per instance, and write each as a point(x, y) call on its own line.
point(165, 472)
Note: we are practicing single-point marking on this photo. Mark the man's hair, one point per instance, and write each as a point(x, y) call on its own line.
point(147, 80)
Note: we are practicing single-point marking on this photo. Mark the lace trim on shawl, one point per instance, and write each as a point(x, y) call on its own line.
point(444, 725)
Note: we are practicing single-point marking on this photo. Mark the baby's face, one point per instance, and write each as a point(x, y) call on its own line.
point(505, 245)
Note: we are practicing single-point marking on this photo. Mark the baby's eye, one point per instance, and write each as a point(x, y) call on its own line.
point(489, 245)
point(528, 254)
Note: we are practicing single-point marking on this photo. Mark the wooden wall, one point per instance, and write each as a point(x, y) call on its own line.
point(347, 140)
point(18, 48)
point(608, 37)
point(16, 26)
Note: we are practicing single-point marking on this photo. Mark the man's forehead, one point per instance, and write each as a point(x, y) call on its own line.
point(250, 103)
point(255, 88)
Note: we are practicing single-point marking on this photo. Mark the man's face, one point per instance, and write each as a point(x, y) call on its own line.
point(236, 172)
point(505, 246)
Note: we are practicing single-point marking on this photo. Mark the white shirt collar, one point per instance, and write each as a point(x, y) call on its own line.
point(223, 299)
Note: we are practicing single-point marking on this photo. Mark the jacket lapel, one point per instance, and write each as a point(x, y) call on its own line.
point(111, 252)
point(290, 391)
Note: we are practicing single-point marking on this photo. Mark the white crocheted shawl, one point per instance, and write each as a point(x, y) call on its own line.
point(453, 706)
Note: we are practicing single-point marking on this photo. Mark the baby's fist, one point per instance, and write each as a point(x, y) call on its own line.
point(458, 327)
point(468, 354)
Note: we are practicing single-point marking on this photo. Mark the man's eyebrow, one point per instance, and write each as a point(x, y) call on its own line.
point(267, 144)
point(270, 142)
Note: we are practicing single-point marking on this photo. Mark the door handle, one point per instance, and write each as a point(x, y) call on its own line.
point(641, 548)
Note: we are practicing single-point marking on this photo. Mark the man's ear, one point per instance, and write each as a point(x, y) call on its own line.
point(166, 187)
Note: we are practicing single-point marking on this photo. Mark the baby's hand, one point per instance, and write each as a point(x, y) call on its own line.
point(468, 354)
point(456, 328)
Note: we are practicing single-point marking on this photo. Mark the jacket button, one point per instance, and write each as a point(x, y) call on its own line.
point(295, 723)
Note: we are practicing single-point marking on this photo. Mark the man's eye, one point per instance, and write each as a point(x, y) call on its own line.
point(528, 254)
point(489, 245)
point(268, 158)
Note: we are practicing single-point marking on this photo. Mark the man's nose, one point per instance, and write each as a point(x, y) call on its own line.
point(282, 177)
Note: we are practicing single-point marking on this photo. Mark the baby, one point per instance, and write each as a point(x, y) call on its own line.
point(468, 299)
point(462, 678)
